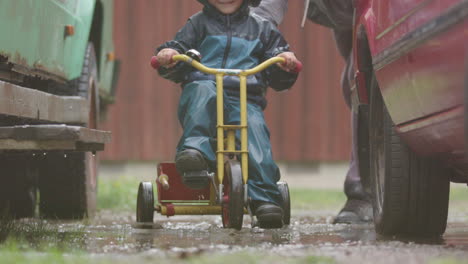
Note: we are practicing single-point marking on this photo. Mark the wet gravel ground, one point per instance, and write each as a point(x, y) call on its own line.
point(116, 235)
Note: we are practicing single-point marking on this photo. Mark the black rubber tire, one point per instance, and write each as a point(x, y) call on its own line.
point(410, 193)
point(68, 180)
point(233, 196)
point(145, 203)
point(18, 193)
point(284, 190)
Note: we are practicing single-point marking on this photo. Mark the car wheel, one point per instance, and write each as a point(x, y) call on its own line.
point(410, 193)
point(68, 180)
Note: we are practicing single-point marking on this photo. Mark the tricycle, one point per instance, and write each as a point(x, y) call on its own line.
point(226, 195)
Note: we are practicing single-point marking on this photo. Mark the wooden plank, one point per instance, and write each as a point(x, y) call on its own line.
point(52, 137)
point(32, 104)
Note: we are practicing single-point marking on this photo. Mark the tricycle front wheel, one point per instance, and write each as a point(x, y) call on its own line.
point(284, 190)
point(233, 196)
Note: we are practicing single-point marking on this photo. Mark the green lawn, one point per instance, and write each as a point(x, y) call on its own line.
point(13, 254)
point(121, 194)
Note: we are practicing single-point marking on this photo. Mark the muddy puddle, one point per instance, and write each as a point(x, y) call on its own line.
point(117, 234)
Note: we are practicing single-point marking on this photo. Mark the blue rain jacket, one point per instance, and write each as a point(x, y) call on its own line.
point(241, 40)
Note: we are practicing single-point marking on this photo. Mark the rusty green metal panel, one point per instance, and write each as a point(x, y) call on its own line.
point(107, 53)
point(33, 36)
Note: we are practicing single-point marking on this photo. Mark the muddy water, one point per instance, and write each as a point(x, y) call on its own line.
point(310, 234)
point(116, 235)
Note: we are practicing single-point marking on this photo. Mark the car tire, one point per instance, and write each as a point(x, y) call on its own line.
point(68, 180)
point(410, 193)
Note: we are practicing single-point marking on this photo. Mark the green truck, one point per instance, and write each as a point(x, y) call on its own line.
point(57, 73)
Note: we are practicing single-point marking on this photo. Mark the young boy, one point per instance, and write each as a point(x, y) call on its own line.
point(229, 36)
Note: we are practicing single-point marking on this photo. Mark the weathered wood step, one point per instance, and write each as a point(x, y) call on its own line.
point(53, 137)
point(28, 103)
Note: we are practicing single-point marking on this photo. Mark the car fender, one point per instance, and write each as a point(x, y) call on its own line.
point(364, 32)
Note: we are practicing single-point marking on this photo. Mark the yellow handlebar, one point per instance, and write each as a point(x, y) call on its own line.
point(237, 72)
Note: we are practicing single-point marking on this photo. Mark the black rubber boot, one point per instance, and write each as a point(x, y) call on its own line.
point(358, 207)
point(268, 215)
point(192, 167)
point(355, 212)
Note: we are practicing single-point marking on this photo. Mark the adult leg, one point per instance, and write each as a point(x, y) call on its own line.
point(357, 207)
point(273, 10)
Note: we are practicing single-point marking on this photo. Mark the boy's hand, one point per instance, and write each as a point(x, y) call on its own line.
point(164, 57)
point(290, 63)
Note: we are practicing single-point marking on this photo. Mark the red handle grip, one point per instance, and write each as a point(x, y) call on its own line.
point(155, 63)
point(298, 68)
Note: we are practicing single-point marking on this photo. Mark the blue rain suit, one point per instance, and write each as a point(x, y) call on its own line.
point(237, 41)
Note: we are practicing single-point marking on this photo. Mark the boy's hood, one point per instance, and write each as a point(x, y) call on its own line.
point(244, 5)
point(205, 2)
point(211, 10)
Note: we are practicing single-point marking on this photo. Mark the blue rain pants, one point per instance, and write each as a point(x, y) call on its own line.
point(197, 115)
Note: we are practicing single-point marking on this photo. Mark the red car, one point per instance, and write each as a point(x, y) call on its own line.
point(411, 61)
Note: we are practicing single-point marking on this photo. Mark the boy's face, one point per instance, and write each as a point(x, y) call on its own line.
point(226, 6)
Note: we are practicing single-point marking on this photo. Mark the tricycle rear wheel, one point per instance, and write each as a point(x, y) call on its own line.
point(233, 196)
point(145, 203)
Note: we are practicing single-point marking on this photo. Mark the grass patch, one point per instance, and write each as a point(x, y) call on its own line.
point(458, 198)
point(315, 199)
point(39, 235)
point(16, 255)
point(458, 194)
point(448, 261)
point(247, 257)
point(117, 193)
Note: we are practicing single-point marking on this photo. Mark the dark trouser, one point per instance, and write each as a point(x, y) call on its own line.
point(353, 185)
point(197, 115)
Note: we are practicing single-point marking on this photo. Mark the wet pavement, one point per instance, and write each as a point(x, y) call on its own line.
point(116, 235)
